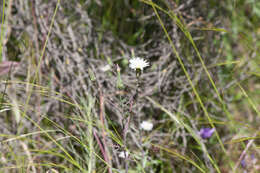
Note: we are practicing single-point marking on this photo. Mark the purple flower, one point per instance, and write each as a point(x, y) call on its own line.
point(243, 163)
point(206, 132)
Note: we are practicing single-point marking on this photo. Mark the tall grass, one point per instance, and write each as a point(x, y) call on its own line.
point(86, 129)
point(2, 31)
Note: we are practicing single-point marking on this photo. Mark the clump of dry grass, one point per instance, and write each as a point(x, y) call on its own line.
point(73, 104)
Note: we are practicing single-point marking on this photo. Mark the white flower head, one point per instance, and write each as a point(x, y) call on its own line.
point(138, 63)
point(123, 154)
point(105, 68)
point(146, 125)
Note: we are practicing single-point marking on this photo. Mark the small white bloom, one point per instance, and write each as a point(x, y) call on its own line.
point(138, 63)
point(123, 154)
point(146, 125)
point(105, 68)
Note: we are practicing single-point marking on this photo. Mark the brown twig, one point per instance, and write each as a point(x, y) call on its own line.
point(101, 114)
point(244, 153)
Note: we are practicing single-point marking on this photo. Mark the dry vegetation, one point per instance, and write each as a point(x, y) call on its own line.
point(70, 102)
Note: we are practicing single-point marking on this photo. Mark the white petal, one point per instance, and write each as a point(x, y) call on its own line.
point(123, 154)
point(138, 63)
point(146, 125)
point(105, 68)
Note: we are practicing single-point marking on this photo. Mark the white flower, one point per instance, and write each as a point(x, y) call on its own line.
point(138, 63)
point(105, 68)
point(123, 154)
point(146, 125)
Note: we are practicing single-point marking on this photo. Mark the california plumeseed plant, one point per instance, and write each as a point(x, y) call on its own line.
point(129, 86)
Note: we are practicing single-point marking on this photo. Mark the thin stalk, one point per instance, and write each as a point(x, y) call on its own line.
point(2, 31)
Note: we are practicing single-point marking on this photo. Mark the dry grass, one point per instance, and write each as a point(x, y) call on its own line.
point(70, 103)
